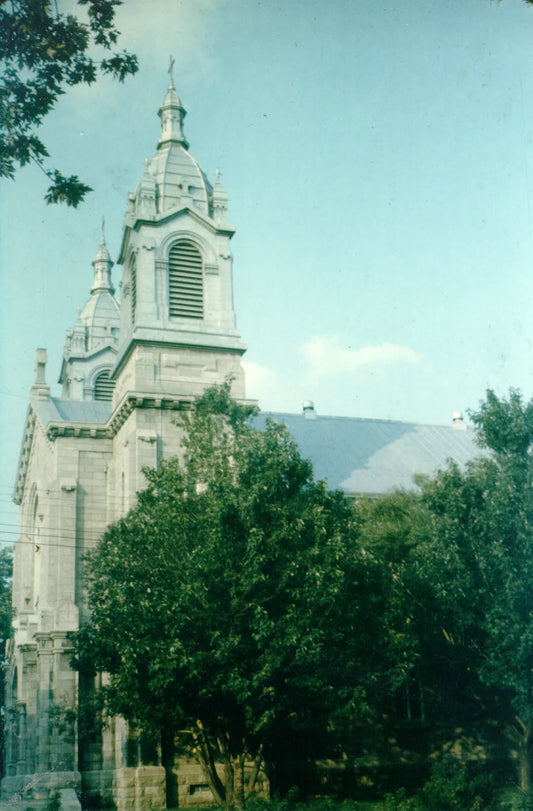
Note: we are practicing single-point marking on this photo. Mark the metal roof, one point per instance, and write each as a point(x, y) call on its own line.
point(367, 456)
point(363, 456)
point(55, 409)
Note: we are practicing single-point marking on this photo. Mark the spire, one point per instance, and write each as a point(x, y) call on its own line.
point(102, 268)
point(172, 114)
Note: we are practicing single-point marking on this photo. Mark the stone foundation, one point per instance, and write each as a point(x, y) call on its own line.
point(142, 788)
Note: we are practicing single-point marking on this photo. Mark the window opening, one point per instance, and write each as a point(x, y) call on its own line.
point(185, 281)
point(103, 387)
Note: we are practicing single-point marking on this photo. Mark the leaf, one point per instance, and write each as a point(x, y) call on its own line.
point(69, 190)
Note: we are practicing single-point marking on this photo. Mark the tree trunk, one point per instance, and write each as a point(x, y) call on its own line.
point(206, 757)
point(525, 744)
point(257, 763)
point(237, 766)
point(229, 789)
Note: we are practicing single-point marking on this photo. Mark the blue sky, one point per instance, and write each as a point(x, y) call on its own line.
point(378, 158)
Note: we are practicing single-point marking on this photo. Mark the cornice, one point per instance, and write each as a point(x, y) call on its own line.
point(75, 429)
point(24, 458)
point(61, 429)
point(133, 401)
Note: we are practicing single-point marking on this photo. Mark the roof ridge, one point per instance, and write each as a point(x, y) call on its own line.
point(356, 419)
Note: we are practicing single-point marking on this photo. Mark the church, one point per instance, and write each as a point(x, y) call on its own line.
point(127, 368)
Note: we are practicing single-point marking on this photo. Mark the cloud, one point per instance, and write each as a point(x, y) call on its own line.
point(257, 377)
point(326, 356)
point(188, 30)
point(274, 390)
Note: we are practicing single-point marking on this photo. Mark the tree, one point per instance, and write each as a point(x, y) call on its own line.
point(232, 599)
point(6, 571)
point(479, 560)
point(43, 52)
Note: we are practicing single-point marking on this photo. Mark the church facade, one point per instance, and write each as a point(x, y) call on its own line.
point(126, 370)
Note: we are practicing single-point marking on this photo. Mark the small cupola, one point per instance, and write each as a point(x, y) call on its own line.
point(172, 114)
point(102, 265)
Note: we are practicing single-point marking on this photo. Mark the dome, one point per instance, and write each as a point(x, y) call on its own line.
point(172, 179)
point(101, 318)
point(179, 180)
point(98, 321)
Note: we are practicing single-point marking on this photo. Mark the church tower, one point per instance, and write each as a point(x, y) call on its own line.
point(91, 345)
point(178, 331)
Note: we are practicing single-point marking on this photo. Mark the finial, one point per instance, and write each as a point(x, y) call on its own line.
point(39, 388)
point(102, 238)
point(172, 114)
point(218, 175)
point(171, 72)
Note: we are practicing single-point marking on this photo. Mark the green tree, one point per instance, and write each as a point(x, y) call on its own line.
point(42, 53)
point(6, 571)
point(479, 562)
point(233, 600)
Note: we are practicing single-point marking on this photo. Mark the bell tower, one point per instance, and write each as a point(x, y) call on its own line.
point(177, 323)
point(178, 332)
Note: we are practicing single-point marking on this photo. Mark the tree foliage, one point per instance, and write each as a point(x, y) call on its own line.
point(43, 52)
point(6, 571)
point(459, 557)
point(479, 562)
point(244, 602)
point(232, 599)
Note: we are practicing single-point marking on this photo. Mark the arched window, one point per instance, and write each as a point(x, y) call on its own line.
point(185, 281)
point(103, 386)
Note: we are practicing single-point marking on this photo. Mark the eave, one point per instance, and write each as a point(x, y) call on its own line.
point(24, 456)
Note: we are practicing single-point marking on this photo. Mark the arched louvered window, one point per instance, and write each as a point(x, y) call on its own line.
point(133, 288)
point(103, 387)
point(185, 281)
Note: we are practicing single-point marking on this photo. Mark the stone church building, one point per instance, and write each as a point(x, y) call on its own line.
point(126, 369)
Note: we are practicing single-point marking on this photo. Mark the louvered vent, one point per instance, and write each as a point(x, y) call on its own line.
point(103, 387)
point(133, 289)
point(185, 283)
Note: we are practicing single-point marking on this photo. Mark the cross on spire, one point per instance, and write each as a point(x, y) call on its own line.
point(171, 71)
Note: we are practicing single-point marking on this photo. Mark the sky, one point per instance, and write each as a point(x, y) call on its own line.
point(378, 158)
